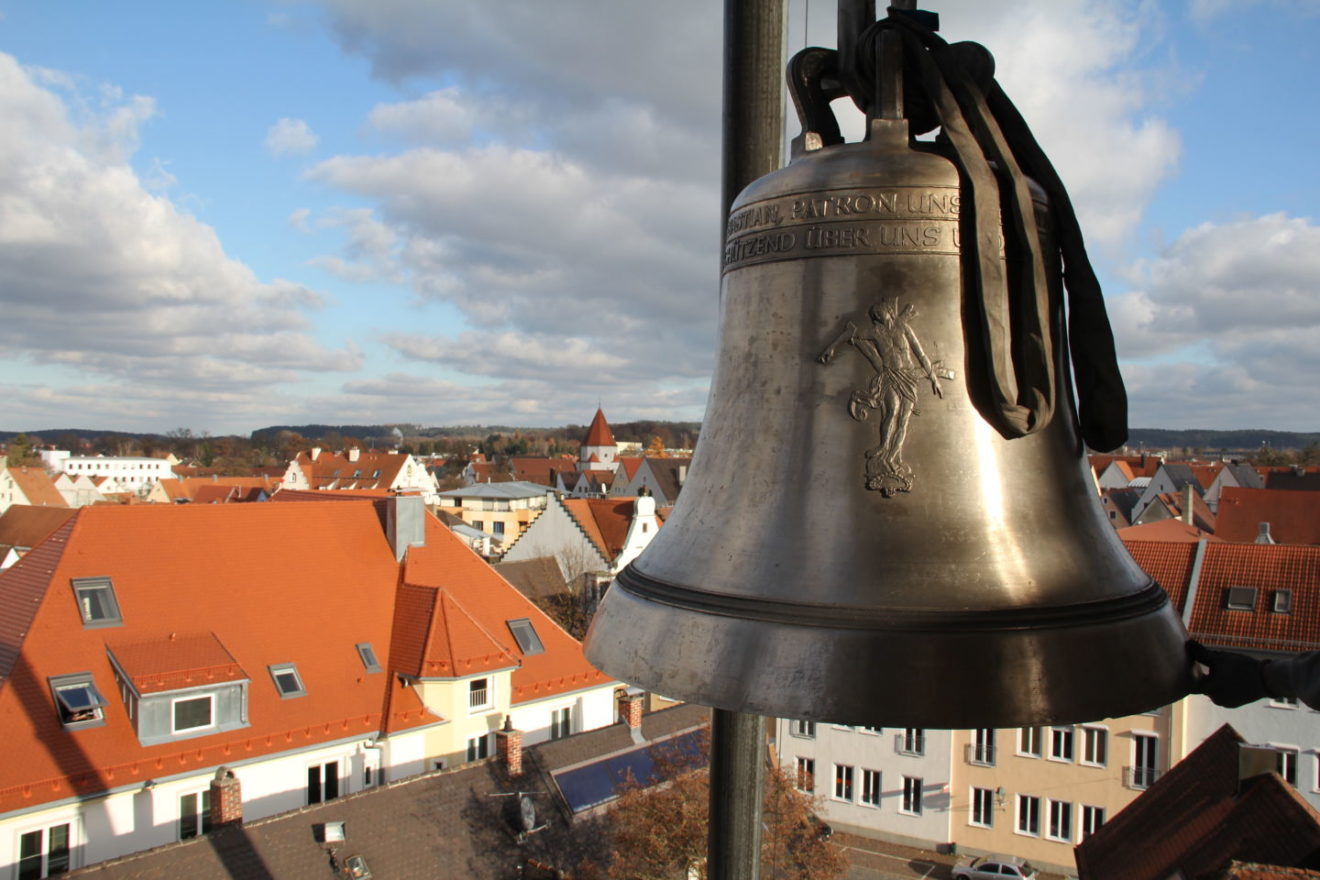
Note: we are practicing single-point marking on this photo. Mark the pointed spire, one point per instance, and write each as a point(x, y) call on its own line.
point(599, 434)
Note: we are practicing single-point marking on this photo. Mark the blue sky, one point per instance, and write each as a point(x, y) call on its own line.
point(229, 215)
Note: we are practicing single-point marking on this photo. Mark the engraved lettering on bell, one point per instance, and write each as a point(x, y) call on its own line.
point(893, 350)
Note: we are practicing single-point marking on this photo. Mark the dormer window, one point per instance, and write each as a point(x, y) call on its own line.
point(528, 641)
point(78, 701)
point(96, 602)
point(1241, 599)
point(287, 681)
point(367, 655)
point(193, 713)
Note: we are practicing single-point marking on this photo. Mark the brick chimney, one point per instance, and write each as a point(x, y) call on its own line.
point(226, 799)
point(630, 708)
point(508, 747)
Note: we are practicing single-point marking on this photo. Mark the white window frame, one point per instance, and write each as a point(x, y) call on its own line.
point(802, 728)
point(1155, 772)
point(478, 747)
point(1033, 802)
point(912, 741)
point(1092, 733)
point(204, 815)
point(982, 805)
point(912, 796)
point(489, 689)
point(561, 722)
point(843, 782)
point(1089, 825)
point(175, 730)
point(75, 843)
point(872, 788)
point(1030, 742)
point(1063, 734)
point(1287, 761)
point(805, 772)
point(1059, 809)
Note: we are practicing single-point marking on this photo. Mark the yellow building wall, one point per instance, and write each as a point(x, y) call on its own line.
point(1011, 773)
point(450, 700)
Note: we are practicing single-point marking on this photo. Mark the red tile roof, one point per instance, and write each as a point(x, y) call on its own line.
point(259, 574)
point(1165, 530)
point(1294, 517)
point(1169, 563)
point(176, 662)
point(630, 464)
point(1268, 568)
point(25, 526)
point(1196, 819)
point(490, 602)
point(604, 520)
point(372, 470)
point(599, 434)
point(37, 487)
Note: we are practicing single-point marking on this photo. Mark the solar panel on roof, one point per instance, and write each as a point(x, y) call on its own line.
point(600, 781)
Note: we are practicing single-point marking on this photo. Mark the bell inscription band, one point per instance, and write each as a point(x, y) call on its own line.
point(889, 520)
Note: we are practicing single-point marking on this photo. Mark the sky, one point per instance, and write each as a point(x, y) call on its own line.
point(228, 215)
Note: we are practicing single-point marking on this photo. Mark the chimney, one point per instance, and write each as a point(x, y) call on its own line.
point(630, 708)
point(354, 454)
point(405, 523)
point(1188, 494)
point(508, 747)
point(1263, 534)
point(316, 452)
point(682, 475)
point(226, 799)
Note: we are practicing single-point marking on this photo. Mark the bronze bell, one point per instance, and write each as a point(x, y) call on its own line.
point(889, 519)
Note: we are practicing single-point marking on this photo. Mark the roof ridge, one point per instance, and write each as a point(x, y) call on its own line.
point(29, 579)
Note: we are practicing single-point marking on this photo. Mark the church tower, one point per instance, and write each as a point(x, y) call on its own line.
point(599, 449)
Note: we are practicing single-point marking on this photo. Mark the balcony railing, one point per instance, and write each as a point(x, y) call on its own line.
point(1139, 778)
point(981, 754)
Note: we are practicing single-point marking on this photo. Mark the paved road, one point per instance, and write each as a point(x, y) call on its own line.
point(868, 864)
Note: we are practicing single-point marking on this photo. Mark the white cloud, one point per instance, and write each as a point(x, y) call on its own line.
point(291, 137)
point(1224, 322)
point(101, 275)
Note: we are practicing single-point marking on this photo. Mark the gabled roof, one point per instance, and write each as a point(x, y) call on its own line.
point(1294, 517)
point(604, 520)
point(666, 472)
point(439, 638)
point(37, 486)
point(629, 464)
point(1175, 505)
point(540, 469)
point(332, 470)
point(534, 578)
point(490, 602)
point(1169, 563)
point(1293, 481)
point(1268, 569)
point(1198, 817)
point(258, 575)
point(1165, 530)
point(23, 526)
point(1181, 474)
point(599, 434)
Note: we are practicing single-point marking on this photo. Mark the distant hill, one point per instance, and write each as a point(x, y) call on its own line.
point(1210, 441)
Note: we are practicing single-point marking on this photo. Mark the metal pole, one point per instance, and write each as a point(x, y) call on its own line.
point(753, 146)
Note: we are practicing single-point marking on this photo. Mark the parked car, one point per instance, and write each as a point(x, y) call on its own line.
point(993, 868)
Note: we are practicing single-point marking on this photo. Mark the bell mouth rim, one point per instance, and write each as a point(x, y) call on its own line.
point(1147, 600)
